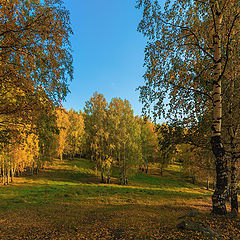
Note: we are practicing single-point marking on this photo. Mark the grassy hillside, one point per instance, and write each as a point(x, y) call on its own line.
point(67, 201)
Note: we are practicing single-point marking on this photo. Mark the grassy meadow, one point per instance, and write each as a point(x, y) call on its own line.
point(67, 201)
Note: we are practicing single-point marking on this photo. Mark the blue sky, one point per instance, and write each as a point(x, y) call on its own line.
point(108, 51)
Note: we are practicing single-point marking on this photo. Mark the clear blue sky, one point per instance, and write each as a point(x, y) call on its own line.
point(108, 51)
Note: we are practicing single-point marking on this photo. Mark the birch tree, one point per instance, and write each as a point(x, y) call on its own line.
point(231, 117)
point(186, 58)
point(97, 131)
point(149, 142)
point(125, 134)
point(63, 126)
point(75, 134)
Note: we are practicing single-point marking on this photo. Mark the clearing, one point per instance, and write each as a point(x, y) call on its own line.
point(67, 201)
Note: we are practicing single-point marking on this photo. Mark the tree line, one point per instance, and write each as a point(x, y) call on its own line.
point(109, 135)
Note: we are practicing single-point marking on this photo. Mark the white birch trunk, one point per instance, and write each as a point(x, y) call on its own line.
point(219, 196)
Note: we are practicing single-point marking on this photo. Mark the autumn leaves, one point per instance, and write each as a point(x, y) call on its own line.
point(116, 137)
point(35, 68)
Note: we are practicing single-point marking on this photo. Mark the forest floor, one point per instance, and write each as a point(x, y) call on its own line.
point(67, 201)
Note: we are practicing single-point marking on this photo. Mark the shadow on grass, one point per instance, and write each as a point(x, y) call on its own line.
point(69, 171)
point(75, 181)
point(55, 192)
point(65, 175)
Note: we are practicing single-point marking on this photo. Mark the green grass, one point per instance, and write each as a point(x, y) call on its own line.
point(158, 181)
point(75, 181)
point(68, 200)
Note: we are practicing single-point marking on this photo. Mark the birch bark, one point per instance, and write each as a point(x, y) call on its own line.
point(219, 195)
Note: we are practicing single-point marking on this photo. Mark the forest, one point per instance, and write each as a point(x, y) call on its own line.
point(104, 172)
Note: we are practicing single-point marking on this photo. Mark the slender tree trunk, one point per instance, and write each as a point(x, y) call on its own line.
point(146, 169)
point(102, 177)
point(32, 168)
point(4, 175)
point(123, 171)
point(193, 179)
point(161, 170)
point(37, 170)
point(124, 176)
point(92, 154)
point(12, 174)
point(8, 175)
point(233, 184)
point(108, 179)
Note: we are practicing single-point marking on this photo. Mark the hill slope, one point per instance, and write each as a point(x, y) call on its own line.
point(67, 201)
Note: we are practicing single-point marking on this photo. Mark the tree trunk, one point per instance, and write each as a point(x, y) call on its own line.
point(233, 185)
point(102, 177)
point(32, 168)
point(233, 161)
point(8, 175)
point(146, 170)
point(219, 195)
point(4, 175)
point(124, 177)
point(37, 170)
point(12, 174)
point(193, 179)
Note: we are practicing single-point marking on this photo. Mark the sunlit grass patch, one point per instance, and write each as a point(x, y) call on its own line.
point(75, 180)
